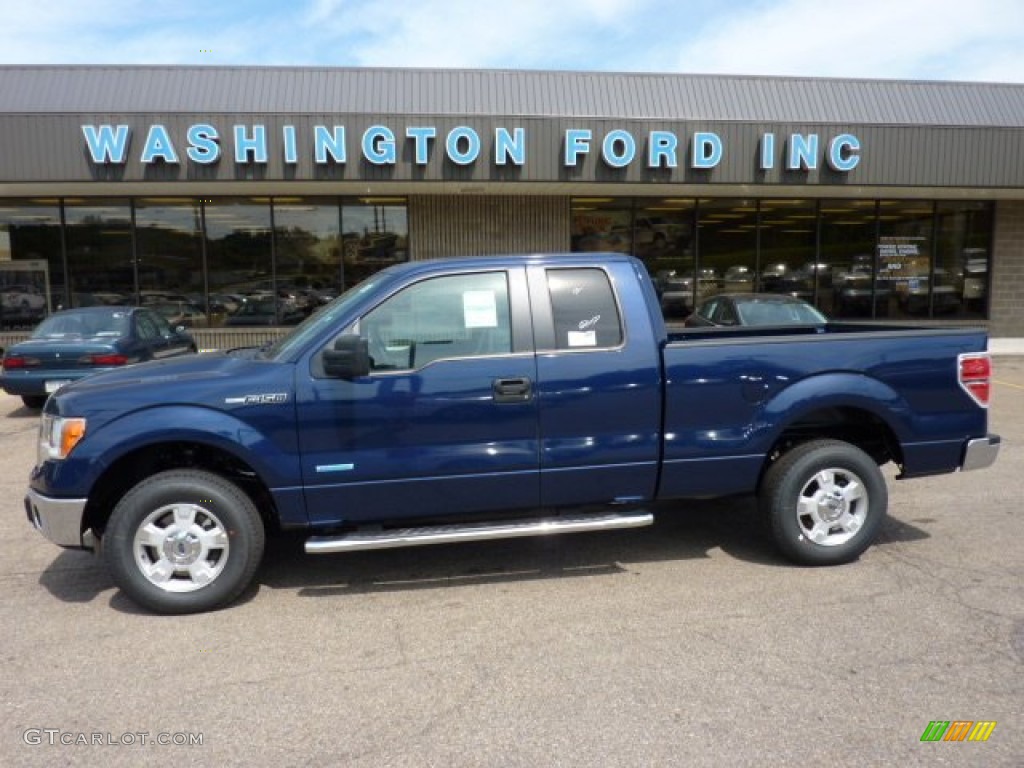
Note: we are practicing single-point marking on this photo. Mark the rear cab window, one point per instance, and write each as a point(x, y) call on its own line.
point(584, 311)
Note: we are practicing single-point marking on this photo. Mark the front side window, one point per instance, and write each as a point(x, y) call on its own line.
point(163, 328)
point(724, 314)
point(147, 328)
point(455, 316)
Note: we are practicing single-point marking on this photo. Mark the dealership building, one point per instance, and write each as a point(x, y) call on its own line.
point(203, 187)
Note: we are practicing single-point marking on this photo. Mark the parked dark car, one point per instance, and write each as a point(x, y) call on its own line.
point(779, 278)
point(265, 311)
point(735, 309)
point(183, 313)
point(74, 343)
point(856, 292)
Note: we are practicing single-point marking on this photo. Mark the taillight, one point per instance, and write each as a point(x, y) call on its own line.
point(975, 376)
point(15, 362)
point(103, 360)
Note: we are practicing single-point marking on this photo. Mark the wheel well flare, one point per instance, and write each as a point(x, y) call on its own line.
point(144, 462)
point(856, 426)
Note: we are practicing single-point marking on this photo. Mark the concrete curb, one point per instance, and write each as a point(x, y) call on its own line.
point(1006, 347)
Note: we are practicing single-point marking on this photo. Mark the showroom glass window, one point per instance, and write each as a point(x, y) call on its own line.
point(788, 240)
point(727, 230)
point(239, 257)
point(99, 247)
point(31, 265)
point(375, 235)
point(907, 287)
point(307, 246)
point(601, 224)
point(846, 285)
point(169, 258)
point(663, 239)
point(963, 248)
point(659, 231)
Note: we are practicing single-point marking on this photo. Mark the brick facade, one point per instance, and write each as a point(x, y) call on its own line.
point(1007, 288)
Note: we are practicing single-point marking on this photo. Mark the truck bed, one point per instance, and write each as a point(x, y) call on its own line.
point(728, 391)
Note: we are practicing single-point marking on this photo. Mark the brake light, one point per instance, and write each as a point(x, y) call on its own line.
point(16, 361)
point(975, 377)
point(104, 360)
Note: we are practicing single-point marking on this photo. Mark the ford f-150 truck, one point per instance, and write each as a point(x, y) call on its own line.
point(495, 397)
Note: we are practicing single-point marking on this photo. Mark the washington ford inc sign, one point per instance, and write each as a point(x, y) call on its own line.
point(462, 145)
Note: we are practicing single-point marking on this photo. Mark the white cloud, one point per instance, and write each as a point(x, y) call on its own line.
point(942, 39)
point(927, 39)
point(471, 33)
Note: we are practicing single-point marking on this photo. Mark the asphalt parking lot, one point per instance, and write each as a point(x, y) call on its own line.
point(688, 643)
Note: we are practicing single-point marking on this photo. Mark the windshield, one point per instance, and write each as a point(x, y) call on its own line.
point(759, 312)
point(315, 323)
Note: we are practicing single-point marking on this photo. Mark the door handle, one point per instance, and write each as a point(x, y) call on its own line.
point(515, 390)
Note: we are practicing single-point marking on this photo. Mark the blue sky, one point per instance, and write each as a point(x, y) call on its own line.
point(978, 40)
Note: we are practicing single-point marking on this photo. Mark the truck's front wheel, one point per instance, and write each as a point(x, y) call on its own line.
point(184, 541)
point(825, 501)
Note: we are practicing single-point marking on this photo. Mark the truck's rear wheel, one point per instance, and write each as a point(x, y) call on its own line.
point(825, 501)
point(184, 541)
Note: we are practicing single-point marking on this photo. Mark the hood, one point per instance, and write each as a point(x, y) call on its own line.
point(207, 380)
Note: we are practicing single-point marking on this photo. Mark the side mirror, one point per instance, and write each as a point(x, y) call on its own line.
point(349, 358)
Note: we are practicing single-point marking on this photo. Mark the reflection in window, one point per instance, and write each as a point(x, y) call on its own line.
point(601, 224)
point(659, 231)
point(308, 250)
point(728, 243)
point(788, 238)
point(663, 238)
point(846, 263)
point(907, 286)
point(375, 235)
point(239, 259)
point(30, 234)
point(962, 253)
point(169, 247)
point(99, 242)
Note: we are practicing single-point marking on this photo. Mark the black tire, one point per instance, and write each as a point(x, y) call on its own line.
point(844, 502)
point(184, 541)
point(34, 402)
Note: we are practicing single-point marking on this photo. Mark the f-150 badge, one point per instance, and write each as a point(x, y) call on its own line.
point(271, 399)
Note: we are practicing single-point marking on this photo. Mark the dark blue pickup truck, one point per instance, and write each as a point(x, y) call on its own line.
point(490, 398)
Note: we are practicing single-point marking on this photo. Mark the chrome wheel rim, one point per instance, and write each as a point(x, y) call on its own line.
point(181, 547)
point(832, 507)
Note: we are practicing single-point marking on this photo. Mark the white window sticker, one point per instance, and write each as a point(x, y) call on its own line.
point(480, 309)
point(582, 338)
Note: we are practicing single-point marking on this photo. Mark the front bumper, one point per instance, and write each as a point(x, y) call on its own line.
point(980, 453)
point(59, 520)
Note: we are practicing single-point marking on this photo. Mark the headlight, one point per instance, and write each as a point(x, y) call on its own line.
point(57, 436)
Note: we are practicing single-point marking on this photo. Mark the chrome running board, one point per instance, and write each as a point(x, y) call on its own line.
point(449, 534)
